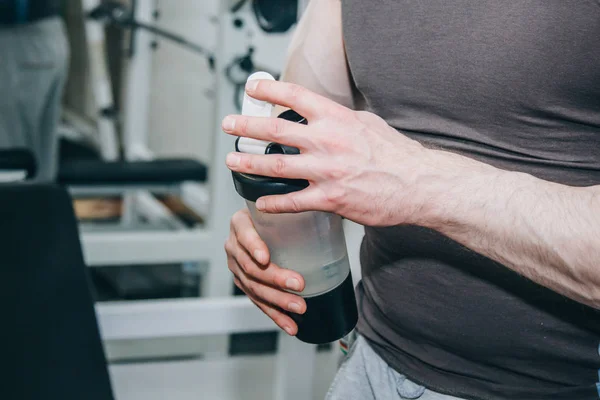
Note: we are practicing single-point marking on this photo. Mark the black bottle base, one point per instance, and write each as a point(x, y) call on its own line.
point(329, 316)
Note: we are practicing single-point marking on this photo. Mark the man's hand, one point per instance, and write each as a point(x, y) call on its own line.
point(357, 165)
point(264, 282)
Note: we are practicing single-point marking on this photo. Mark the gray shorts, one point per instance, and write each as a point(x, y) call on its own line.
point(33, 72)
point(363, 375)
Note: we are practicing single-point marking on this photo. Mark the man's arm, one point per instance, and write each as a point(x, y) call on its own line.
point(371, 174)
point(549, 233)
point(316, 56)
point(363, 169)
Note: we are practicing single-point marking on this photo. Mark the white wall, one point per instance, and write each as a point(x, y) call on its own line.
point(181, 117)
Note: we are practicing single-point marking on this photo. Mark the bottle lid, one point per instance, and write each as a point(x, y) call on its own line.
point(243, 146)
point(255, 108)
point(252, 187)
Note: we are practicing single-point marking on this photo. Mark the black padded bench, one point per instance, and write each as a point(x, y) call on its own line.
point(134, 173)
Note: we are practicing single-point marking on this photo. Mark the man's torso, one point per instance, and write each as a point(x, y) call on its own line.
point(515, 84)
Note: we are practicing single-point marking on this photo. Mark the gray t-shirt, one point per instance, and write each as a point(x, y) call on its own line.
point(515, 84)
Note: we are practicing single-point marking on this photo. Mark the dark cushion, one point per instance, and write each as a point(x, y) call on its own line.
point(51, 346)
point(95, 172)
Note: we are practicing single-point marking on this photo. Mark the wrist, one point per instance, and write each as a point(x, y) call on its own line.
point(448, 186)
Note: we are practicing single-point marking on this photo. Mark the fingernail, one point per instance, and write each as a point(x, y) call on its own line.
point(289, 330)
point(251, 85)
point(228, 124)
point(293, 284)
point(260, 256)
point(260, 204)
point(295, 307)
point(233, 160)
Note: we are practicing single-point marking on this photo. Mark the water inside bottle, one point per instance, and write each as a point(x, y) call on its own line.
point(321, 279)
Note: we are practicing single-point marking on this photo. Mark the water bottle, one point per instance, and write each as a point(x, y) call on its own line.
point(310, 243)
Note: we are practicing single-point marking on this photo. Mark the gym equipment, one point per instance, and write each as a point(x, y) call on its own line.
point(51, 341)
point(159, 171)
point(310, 243)
point(217, 313)
point(272, 16)
point(116, 13)
point(147, 232)
point(100, 83)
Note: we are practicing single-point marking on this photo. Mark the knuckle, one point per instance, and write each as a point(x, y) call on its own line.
point(334, 173)
point(336, 196)
point(337, 144)
point(280, 166)
point(294, 204)
point(244, 267)
point(247, 163)
point(277, 205)
point(331, 141)
point(243, 125)
point(276, 128)
point(252, 289)
point(272, 205)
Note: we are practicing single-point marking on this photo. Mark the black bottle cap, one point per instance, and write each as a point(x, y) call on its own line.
point(252, 187)
point(293, 116)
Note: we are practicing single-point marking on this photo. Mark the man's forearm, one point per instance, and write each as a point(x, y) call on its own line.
point(548, 232)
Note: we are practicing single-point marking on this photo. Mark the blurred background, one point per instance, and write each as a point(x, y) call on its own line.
point(141, 153)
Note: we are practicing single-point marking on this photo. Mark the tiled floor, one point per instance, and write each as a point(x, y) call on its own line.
point(235, 378)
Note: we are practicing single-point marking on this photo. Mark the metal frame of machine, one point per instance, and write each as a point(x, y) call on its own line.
point(218, 313)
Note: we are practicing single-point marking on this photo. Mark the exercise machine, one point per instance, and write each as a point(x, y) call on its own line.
point(207, 189)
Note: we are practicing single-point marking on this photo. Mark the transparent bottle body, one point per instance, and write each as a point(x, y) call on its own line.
point(310, 243)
